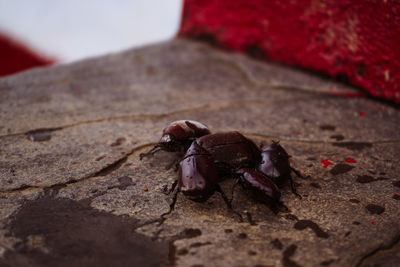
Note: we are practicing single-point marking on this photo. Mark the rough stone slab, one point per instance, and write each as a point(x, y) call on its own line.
point(71, 136)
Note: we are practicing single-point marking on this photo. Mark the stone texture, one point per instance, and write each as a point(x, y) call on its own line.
point(71, 136)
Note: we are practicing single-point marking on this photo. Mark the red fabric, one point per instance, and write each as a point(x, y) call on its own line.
point(15, 57)
point(355, 39)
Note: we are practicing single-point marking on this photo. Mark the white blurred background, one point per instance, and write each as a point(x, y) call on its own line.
point(69, 30)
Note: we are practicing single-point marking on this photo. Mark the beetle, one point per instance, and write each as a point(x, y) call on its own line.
point(261, 186)
point(178, 136)
point(275, 164)
point(231, 151)
point(198, 177)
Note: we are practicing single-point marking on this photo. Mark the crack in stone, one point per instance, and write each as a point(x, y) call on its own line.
point(102, 172)
point(289, 140)
point(210, 106)
point(380, 248)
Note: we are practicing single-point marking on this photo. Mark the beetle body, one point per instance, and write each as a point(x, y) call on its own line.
point(230, 150)
point(198, 175)
point(178, 136)
point(262, 187)
point(275, 163)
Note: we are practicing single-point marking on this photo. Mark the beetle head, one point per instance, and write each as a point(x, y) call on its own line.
point(169, 143)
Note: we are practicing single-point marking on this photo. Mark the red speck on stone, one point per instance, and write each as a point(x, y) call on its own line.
point(326, 162)
point(137, 169)
point(373, 223)
point(37, 181)
point(112, 174)
point(350, 160)
point(361, 113)
point(395, 194)
point(150, 182)
point(299, 133)
point(80, 89)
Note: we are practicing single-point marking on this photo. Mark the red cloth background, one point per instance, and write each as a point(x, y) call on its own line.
point(15, 57)
point(358, 40)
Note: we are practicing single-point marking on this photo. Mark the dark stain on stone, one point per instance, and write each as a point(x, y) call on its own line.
point(182, 251)
point(119, 141)
point(396, 183)
point(315, 185)
point(327, 127)
point(353, 145)
point(311, 158)
point(39, 135)
point(287, 254)
point(79, 235)
point(397, 197)
point(375, 209)
point(337, 137)
point(151, 70)
point(276, 243)
point(353, 200)
point(327, 262)
point(198, 265)
point(356, 223)
point(200, 244)
point(364, 179)
point(228, 231)
point(124, 182)
point(291, 217)
point(252, 253)
point(303, 224)
point(191, 233)
point(139, 59)
point(347, 234)
point(100, 158)
point(341, 168)
point(185, 234)
point(242, 235)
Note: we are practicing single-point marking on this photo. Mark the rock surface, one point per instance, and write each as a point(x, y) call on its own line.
point(73, 191)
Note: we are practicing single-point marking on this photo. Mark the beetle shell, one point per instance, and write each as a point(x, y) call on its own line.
point(198, 175)
point(182, 133)
point(260, 184)
point(275, 163)
point(232, 149)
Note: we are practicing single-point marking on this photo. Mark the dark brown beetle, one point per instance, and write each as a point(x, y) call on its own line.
point(231, 151)
point(275, 164)
point(261, 187)
point(198, 175)
point(178, 136)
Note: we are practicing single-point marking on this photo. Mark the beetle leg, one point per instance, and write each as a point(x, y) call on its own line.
point(228, 202)
point(292, 185)
point(262, 144)
point(174, 184)
point(174, 198)
point(297, 172)
point(151, 152)
point(174, 163)
point(237, 181)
